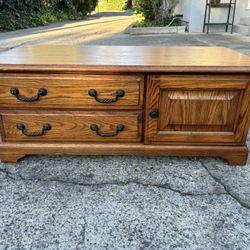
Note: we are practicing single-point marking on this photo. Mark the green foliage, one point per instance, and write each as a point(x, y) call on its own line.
point(84, 6)
point(148, 23)
point(17, 14)
point(111, 5)
point(153, 12)
point(149, 8)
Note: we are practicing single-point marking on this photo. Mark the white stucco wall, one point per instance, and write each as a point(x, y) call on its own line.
point(242, 10)
point(194, 10)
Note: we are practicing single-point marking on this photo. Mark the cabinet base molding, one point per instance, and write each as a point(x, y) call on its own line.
point(10, 157)
point(12, 152)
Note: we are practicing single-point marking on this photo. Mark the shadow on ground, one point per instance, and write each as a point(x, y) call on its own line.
point(103, 14)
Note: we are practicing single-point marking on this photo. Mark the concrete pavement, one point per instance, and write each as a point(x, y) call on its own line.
point(108, 29)
point(122, 202)
point(70, 32)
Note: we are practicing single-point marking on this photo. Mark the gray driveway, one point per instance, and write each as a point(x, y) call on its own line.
point(122, 202)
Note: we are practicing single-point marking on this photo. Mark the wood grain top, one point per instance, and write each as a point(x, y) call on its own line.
point(124, 59)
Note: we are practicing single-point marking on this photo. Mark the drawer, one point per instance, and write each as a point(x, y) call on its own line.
point(72, 92)
point(72, 126)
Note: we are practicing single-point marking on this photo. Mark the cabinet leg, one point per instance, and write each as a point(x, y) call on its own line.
point(237, 160)
point(10, 158)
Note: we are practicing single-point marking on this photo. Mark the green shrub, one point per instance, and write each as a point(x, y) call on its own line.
point(17, 14)
point(153, 12)
point(149, 8)
point(111, 5)
point(85, 6)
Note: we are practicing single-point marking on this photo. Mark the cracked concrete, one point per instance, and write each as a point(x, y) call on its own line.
point(122, 202)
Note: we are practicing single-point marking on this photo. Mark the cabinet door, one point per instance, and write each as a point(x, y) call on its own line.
point(197, 109)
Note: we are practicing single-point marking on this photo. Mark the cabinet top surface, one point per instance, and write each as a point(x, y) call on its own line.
point(124, 58)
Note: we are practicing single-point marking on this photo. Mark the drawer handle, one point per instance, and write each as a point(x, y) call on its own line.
point(95, 128)
point(119, 93)
point(21, 126)
point(41, 92)
point(155, 114)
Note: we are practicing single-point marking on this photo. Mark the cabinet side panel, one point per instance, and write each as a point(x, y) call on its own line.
point(244, 117)
point(1, 129)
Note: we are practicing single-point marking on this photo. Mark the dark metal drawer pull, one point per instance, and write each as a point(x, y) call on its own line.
point(119, 93)
point(119, 128)
point(41, 92)
point(22, 127)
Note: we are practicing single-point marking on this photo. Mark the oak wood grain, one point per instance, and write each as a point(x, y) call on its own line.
point(124, 59)
point(72, 126)
point(197, 110)
point(203, 110)
point(244, 116)
point(68, 92)
point(10, 157)
point(202, 94)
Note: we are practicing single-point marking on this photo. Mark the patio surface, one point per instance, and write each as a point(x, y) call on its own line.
point(122, 202)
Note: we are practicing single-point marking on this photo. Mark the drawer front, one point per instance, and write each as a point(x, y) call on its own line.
point(72, 126)
point(198, 109)
point(73, 92)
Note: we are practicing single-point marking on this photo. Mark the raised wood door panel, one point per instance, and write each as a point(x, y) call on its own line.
point(198, 109)
point(73, 91)
point(211, 110)
point(72, 126)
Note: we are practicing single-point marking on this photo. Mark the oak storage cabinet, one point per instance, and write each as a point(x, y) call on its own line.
point(124, 101)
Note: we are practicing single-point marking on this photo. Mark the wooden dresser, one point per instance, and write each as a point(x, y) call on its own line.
point(173, 101)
